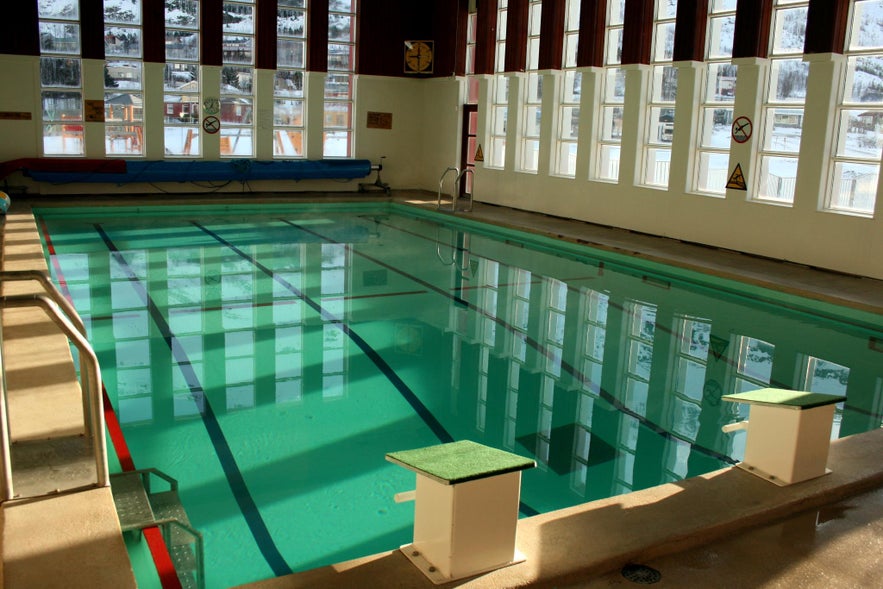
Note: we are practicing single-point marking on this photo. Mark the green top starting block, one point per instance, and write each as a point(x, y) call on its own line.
point(785, 398)
point(459, 462)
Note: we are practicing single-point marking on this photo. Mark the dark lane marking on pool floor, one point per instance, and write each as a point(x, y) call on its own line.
point(565, 366)
point(422, 410)
point(243, 497)
point(199, 309)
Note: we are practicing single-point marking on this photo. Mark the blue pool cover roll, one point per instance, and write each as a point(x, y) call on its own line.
point(215, 171)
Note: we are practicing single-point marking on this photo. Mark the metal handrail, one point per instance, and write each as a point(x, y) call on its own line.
point(45, 281)
point(91, 384)
point(42, 277)
point(457, 185)
point(454, 194)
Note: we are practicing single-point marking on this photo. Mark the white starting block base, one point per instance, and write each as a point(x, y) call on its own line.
point(789, 433)
point(771, 477)
point(465, 508)
point(436, 576)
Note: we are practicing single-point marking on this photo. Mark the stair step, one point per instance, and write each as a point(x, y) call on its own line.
point(132, 503)
point(137, 509)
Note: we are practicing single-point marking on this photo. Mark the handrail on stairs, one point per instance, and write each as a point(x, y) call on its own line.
point(90, 372)
point(43, 278)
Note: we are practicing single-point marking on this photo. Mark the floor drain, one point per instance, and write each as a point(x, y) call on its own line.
point(642, 574)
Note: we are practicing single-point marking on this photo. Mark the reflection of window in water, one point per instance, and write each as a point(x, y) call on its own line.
point(688, 379)
point(754, 364)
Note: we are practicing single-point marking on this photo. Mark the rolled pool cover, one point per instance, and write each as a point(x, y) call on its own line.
point(211, 171)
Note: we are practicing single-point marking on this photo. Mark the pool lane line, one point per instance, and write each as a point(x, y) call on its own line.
point(422, 411)
point(247, 505)
point(261, 305)
point(159, 552)
point(566, 366)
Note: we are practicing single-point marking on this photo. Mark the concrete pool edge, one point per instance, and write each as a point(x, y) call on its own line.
point(591, 539)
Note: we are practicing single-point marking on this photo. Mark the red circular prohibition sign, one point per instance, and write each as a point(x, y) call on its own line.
point(742, 129)
point(211, 125)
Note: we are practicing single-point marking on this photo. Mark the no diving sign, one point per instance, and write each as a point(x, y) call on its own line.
point(742, 129)
point(211, 125)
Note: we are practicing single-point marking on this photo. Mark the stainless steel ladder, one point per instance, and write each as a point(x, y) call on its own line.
point(455, 193)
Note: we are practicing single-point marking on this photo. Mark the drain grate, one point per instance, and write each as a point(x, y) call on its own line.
point(641, 574)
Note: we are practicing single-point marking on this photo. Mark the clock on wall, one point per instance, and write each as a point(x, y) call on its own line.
point(419, 57)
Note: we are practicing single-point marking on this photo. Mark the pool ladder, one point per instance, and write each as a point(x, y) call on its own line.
point(455, 193)
point(140, 506)
point(69, 322)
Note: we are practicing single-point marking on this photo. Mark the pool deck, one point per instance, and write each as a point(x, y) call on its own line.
point(724, 529)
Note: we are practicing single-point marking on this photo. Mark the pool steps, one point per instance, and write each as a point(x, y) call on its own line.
point(139, 507)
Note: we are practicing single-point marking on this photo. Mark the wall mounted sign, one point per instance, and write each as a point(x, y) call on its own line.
point(742, 129)
point(479, 154)
point(379, 120)
point(93, 111)
point(737, 179)
point(211, 125)
point(15, 116)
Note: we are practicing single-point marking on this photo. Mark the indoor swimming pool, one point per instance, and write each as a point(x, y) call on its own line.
point(268, 362)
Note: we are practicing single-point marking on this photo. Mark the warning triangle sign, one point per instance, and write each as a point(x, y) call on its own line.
point(479, 154)
point(737, 179)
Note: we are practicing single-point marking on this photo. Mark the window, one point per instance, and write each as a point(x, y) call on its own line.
point(571, 84)
point(338, 130)
point(181, 79)
point(502, 20)
point(533, 115)
point(663, 87)
point(532, 111)
point(499, 116)
point(612, 97)
point(716, 106)
point(61, 78)
point(288, 90)
point(856, 164)
point(123, 96)
point(471, 80)
point(782, 112)
point(237, 79)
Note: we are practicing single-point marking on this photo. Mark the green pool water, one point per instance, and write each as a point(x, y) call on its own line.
point(270, 361)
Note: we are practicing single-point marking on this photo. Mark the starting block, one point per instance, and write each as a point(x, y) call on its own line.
point(465, 508)
point(789, 433)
